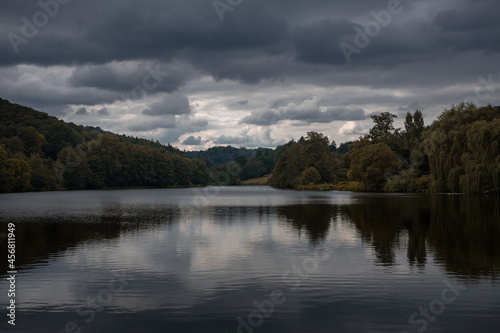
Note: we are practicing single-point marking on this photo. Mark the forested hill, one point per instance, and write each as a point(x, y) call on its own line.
point(39, 153)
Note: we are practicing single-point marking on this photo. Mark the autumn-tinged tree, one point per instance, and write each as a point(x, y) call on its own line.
point(33, 141)
point(15, 174)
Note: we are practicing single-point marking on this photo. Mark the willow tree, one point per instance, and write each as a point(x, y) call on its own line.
point(463, 146)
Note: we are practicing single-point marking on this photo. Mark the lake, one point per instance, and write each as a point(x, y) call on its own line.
point(251, 259)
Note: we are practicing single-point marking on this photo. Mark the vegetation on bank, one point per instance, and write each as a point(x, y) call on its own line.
point(458, 153)
point(259, 181)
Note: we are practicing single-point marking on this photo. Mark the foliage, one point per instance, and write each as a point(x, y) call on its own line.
point(373, 164)
point(310, 176)
point(350, 186)
point(406, 181)
point(463, 146)
point(310, 152)
point(383, 127)
point(14, 173)
point(40, 153)
point(217, 156)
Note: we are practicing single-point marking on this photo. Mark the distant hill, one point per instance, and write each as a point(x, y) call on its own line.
point(217, 156)
point(39, 152)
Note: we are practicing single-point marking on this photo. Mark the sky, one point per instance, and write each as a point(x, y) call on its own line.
point(251, 73)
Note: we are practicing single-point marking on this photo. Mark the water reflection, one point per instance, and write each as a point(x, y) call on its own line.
point(461, 232)
point(314, 219)
point(39, 238)
point(464, 233)
point(196, 268)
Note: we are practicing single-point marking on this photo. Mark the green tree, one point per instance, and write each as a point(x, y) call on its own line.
point(383, 128)
point(316, 153)
point(410, 132)
point(373, 164)
point(310, 176)
point(241, 160)
point(42, 175)
point(287, 171)
point(252, 169)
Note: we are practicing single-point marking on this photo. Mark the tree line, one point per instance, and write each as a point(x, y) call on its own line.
point(457, 153)
point(41, 153)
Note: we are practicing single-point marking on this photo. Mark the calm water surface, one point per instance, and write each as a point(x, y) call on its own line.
point(252, 259)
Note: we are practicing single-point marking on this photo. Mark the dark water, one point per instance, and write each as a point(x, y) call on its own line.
point(252, 259)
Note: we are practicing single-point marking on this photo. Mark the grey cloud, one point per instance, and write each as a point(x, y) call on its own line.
point(262, 118)
point(167, 128)
point(199, 123)
point(81, 111)
point(192, 141)
point(230, 140)
point(144, 125)
point(102, 112)
point(245, 102)
point(403, 110)
point(170, 104)
point(308, 111)
point(344, 114)
point(124, 77)
point(247, 137)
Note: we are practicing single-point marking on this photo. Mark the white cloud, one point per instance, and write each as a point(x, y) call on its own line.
point(352, 128)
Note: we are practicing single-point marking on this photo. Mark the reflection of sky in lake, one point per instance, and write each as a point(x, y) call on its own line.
point(197, 268)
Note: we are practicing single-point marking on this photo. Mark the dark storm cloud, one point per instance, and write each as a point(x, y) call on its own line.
point(99, 32)
point(102, 53)
point(319, 41)
point(257, 40)
point(125, 76)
